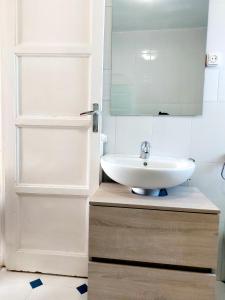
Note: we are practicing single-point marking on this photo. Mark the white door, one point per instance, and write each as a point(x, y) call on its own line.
point(52, 71)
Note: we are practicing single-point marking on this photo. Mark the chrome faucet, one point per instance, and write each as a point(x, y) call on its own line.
point(145, 150)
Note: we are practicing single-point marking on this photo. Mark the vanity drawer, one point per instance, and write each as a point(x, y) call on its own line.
point(122, 282)
point(164, 237)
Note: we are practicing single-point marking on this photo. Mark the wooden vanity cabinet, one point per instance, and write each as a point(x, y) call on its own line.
point(152, 248)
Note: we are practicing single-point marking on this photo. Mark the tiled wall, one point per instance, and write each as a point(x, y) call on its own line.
point(202, 138)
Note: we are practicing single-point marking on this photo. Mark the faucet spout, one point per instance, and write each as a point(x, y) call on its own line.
point(145, 150)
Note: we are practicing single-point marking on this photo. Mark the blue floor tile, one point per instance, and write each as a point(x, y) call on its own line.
point(82, 289)
point(36, 283)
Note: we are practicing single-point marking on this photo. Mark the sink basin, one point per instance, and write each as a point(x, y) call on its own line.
point(147, 177)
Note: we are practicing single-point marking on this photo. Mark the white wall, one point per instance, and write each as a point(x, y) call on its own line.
point(202, 138)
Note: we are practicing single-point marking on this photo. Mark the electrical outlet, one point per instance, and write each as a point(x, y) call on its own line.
point(212, 60)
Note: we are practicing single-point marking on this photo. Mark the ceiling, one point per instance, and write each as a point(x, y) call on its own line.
point(129, 15)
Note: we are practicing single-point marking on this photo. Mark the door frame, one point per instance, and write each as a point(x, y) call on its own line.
point(2, 198)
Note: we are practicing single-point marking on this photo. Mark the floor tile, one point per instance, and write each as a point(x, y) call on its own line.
point(15, 292)
point(36, 283)
point(8, 278)
point(16, 286)
point(82, 289)
point(56, 293)
point(65, 281)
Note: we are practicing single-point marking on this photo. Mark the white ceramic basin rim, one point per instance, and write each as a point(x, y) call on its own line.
point(155, 173)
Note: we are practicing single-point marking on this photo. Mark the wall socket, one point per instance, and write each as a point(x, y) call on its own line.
point(212, 60)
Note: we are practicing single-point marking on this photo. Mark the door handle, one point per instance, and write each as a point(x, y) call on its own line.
point(95, 115)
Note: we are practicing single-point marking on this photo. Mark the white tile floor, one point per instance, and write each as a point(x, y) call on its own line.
point(16, 286)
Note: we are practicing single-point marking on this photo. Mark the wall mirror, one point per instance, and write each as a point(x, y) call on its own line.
point(158, 56)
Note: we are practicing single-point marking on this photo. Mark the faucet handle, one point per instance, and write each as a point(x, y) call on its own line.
point(145, 146)
point(145, 150)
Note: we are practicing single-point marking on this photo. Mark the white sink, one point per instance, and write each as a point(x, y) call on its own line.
point(147, 176)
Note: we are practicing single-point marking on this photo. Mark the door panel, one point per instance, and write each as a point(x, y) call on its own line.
point(53, 156)
point(54, 21)
point(52, 63)
point(52, 210)
point(56, 86)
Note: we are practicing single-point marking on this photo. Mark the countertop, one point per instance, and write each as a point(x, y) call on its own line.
point(181, 198)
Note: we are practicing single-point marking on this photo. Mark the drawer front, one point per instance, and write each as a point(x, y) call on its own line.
point(165, 237)
point(121, 282)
